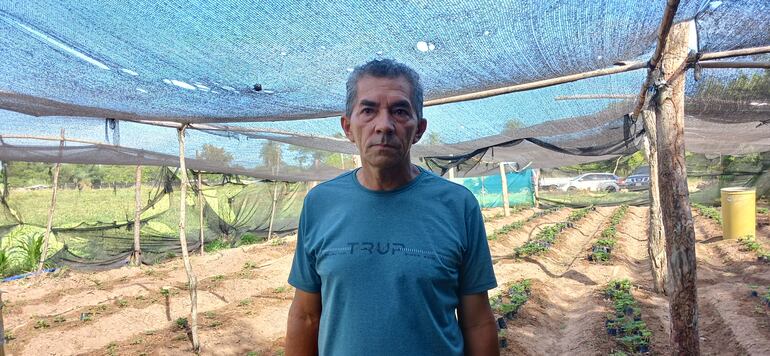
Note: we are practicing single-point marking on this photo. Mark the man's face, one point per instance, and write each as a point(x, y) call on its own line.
point(383, 123)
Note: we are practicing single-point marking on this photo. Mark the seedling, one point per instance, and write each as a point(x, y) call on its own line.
point(59, 319)
point(182, 323)
point(41, 324)
point(112, 349)
point(122, 303)
point(250, 265)
point(244, 302)
point(280, 289)
point(165, 291)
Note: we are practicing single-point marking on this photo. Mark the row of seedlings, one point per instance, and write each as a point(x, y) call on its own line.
point(499, 215)
point(601, 250)
point(547, 236)
point(626, 323)
point(709, 212)
point(748, 242)
point(751, 244)
point(506, 304)
point(518, 224)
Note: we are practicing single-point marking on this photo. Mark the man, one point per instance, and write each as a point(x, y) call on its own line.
point(386, 254)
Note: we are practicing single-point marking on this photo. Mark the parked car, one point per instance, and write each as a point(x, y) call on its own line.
point(639, 179)
point(595, 182)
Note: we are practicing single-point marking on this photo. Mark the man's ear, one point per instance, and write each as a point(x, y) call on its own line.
point(422, 125)
point(345, 123)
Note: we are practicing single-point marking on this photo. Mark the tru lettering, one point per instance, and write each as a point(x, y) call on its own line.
point(372, 247)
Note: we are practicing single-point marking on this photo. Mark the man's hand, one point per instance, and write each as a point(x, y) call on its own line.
point(478, 325)
point(302, 328)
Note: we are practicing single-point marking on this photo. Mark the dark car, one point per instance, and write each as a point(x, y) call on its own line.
point(639, 179)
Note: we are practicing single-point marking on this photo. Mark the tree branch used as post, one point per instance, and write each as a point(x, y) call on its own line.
point(2, 326)
point(674, 197)
point(200, 207)
point(504, 180)
point(52, 208)
point(137, 255)
point(451, 172)
point(192, 281)
point(656, 243)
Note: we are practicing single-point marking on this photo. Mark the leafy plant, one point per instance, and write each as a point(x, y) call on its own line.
point(509, 302)
point(216, 245)
point(763, 211)
point(249, 239)
point(709, 212)
point(41, 324)
point(121, 303)
point(30, 250)
point(182, 323)
point(627, 324)
point(602, 248)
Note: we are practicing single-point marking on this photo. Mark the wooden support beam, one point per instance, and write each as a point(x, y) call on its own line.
point(735, 53)
point(674, 197)
point(536, 187)
point(2, 325)
point(504, 180)
point(272, 210)
point(191, 280)
point(451, 172)
point(52, 208)
point(136, 257)
point(200, 211)
point(656, 243)
point(715, 64)
point(663, 29)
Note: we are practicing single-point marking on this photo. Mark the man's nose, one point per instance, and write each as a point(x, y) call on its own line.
point(384, 123)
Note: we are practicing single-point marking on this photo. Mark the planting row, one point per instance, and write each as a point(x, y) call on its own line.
point(709, 212)
point(519, 224)
point(547, 236)
point(764, 297)
point(601, 250)
point(626, 323)
point(506, 304)
point(748, 242)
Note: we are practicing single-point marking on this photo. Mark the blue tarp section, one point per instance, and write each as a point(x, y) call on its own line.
point(489, 189)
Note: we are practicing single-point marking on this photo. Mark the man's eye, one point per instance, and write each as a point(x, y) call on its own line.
point(367, 110)
point(402, 112)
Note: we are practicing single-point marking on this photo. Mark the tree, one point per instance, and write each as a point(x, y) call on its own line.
point(512, 126)
point(271, 155)
point(214, 154)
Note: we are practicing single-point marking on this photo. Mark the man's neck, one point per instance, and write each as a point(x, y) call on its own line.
point(392, 178)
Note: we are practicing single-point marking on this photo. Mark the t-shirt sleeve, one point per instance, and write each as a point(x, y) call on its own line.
point(303, 274)
point(477, 274)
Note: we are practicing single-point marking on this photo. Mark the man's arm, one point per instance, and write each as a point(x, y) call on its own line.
point(302, 328)
point(478, 325)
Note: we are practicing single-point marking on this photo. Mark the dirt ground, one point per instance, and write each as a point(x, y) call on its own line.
point(243, 297)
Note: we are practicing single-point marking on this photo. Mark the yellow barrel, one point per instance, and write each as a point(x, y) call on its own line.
point(739, 216)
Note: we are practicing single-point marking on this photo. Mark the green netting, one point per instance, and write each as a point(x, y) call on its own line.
point(93, 226)
point(489, 189)
point(706, 175)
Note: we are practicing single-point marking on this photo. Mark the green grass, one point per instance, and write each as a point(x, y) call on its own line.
point(583, 198)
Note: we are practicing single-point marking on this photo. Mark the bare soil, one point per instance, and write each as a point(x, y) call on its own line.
point(243, 297)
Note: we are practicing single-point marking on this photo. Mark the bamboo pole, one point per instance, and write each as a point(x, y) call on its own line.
point(594, 96)
point(200, 207)
point(451, 172)
point(674, 197)
point(192, 281)
point(735, 53)
point(656, 243)
point(504, 181)
point(5, 180)
point(714, 64)
point(137, 255)
point(52, 208)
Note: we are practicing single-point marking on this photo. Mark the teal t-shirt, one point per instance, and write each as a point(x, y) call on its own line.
point(391, 266)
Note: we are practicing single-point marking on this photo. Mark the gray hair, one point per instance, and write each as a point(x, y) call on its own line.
point(384, 68)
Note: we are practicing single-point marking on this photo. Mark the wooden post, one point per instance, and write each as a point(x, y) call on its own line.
point(272, 210)
point(192, 282)
point(52, 208)
point(451, 172)
point(200, 207)
point(674, 197)
point(137, 255)
point(656, 243)
point(536, 187)
point(357, 159)
point(2, 326)
point(5, 180)
point(504, 181)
